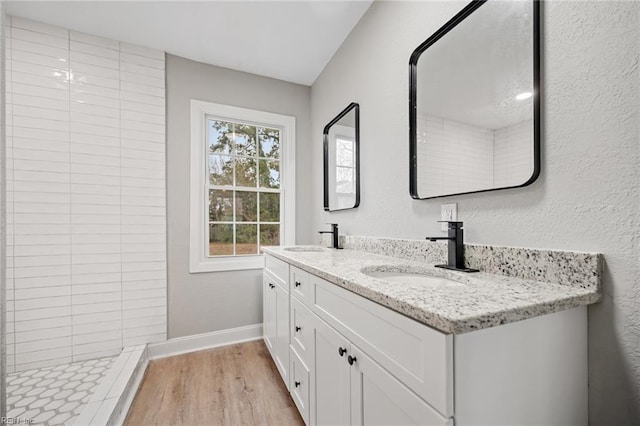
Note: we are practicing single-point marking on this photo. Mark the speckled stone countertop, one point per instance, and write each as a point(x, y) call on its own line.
point(485, 300)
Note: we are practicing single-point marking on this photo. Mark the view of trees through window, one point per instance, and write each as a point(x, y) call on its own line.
point(244, 187)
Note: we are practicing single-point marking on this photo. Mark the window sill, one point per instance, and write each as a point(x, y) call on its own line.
point(230, 263)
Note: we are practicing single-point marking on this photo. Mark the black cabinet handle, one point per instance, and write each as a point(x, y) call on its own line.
point(298, 284)
point(342, 351)
point(351, 359)
point(272, 286)
point(297, 384)
point(298, 328)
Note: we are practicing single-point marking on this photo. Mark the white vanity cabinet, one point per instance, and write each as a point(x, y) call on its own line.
point(354, 361)
point(375, 366)
point(345, 353)
point(276, 314)
point(349, 387)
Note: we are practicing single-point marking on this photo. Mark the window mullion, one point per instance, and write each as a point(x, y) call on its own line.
point(257, 160)
point(247, 188)
point(233, 192)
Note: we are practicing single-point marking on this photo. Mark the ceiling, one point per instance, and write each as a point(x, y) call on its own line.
point(287, 40)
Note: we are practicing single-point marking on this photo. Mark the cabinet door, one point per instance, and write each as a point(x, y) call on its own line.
point(378, 398)
point(301, 330)
point(269, 313)
point(300, 385)
point(331, 399)
point(282, 332)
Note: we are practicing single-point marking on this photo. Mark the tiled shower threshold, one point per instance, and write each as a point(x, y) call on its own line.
point(93, 392)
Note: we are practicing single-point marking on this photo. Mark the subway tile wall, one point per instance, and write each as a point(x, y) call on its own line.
point(456, 157)
point(513, 154)
point(86, 255)
point(453, 157)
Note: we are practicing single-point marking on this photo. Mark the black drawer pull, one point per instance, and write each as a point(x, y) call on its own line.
point(342, 351)
point(298, 328)
point(298, 284)
point(351, 359)
point(297, 384)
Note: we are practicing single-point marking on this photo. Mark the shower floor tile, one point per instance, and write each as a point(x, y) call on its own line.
point(54, 395)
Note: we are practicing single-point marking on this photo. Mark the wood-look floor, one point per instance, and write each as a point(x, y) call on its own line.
point(233, 385)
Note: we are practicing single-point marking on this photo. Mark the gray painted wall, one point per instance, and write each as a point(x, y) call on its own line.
point(205, 302)
point(587, 198)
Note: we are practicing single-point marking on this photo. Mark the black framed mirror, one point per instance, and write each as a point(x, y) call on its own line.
point(342, 160)
point(474, 102)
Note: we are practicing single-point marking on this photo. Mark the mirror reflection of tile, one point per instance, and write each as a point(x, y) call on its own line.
point(459, 157)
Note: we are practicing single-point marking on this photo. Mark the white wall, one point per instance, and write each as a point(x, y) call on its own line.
point(205, 302)
point(587, 197)
point(86, 195)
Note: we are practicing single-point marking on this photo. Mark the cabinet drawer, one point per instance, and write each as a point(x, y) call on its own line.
point(301, 330)
point(269, 278)
point(300, 385)
point(300, 284)
point(278, 269)
point(419, 356)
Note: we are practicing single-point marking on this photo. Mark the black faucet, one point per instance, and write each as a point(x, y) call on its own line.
point(456, 248)
point(334, 231)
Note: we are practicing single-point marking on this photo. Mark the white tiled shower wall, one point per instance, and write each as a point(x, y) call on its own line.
point(86, 261)
point(457, 157)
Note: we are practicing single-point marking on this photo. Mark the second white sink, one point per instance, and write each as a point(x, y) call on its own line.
point(304, 249)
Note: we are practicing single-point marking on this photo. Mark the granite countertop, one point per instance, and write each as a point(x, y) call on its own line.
point(486, 300)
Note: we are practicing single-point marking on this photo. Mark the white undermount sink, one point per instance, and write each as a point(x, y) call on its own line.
point(409, 277)
point(305, 249)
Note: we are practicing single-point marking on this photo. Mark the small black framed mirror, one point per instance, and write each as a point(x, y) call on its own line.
point(342, 160)
point(474, 102)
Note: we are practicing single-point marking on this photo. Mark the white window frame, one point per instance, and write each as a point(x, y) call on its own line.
point(199, 261)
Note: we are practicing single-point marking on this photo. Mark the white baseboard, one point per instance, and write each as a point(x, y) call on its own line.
point(198, 342)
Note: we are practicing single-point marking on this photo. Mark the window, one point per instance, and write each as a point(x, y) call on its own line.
point(242, 185)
